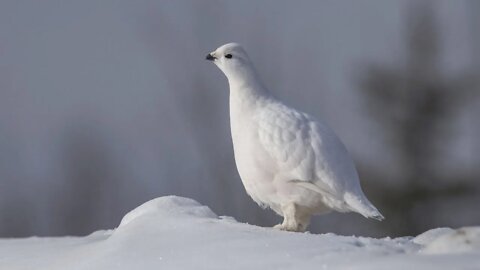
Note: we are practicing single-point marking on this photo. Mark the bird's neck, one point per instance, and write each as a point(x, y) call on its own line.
point(246, 89)
point(247, 95)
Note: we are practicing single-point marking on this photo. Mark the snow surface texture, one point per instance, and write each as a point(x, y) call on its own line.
point(179, 233)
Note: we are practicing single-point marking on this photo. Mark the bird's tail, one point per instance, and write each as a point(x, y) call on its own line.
point(363, 206)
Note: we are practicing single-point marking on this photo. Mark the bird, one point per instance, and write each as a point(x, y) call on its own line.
point(287, 160)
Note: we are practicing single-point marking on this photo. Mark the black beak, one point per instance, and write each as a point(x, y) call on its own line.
point(210, 57)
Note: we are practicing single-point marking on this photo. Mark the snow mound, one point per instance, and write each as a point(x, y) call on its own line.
point(169, 206)
point(179, 233)
point(429, 236)
point(446, 240)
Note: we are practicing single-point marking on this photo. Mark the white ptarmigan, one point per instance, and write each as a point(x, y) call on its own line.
point(287, 160)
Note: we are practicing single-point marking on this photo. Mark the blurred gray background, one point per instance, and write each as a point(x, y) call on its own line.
point(107, 104)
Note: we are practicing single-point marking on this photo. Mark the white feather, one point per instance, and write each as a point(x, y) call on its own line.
point(285, 156)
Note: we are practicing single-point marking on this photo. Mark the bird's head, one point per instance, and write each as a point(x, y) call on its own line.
point(232, 60)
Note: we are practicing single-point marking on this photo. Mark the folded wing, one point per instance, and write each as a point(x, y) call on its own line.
point(310, 154)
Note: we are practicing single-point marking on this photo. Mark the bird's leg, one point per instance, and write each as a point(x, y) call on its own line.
point(295, 218)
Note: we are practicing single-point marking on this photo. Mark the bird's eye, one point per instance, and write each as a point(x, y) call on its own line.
point(228, 56)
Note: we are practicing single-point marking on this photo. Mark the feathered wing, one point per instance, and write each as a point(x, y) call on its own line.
point(286, 135)
point(313, 157)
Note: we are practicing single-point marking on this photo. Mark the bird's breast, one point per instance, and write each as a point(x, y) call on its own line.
point(255, 166)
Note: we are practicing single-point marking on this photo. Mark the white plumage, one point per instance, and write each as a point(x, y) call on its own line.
point(287, 160)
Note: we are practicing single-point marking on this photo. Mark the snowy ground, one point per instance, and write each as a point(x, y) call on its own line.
point(178, 233)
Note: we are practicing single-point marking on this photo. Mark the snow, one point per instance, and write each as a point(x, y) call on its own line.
point(446, 240)
point(179, 233)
